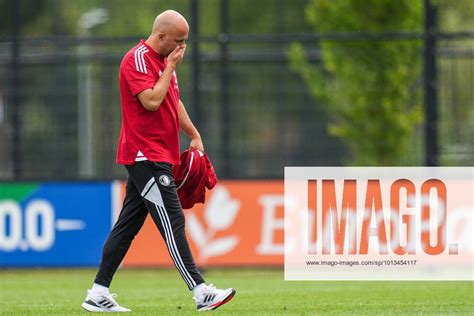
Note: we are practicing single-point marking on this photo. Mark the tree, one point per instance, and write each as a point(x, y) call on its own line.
point(31, 12)
point(369, 87)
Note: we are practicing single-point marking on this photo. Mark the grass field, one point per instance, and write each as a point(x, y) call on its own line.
point(259, 292)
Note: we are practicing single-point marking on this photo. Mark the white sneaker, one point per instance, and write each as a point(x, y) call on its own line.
point(211, 298)
point(103, 303)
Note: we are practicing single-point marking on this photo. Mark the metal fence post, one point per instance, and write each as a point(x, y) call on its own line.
point(87, 21)
point(16, 157)
point(430, 85)
point(195, 67)
point(224, 88)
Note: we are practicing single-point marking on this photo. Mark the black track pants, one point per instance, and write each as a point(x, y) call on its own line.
point(150, 189)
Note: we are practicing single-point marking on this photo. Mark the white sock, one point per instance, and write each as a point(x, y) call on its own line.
point(98, 289)
point(198, 289)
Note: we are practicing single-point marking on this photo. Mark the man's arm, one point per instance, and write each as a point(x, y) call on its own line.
point(152, 98)
point(187, 126)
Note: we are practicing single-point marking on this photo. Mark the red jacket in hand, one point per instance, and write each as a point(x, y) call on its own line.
point(193, 176)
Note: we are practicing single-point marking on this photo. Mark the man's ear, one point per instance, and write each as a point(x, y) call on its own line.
point(161, 36)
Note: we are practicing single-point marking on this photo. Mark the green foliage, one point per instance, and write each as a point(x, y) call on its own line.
point(30, 12)
point(370, 87)
point(455, 16)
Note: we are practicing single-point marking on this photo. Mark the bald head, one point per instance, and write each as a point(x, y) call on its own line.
point(169, 31)
point(168, 21)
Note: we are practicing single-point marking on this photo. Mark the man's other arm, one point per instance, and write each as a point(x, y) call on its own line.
point(187, 126)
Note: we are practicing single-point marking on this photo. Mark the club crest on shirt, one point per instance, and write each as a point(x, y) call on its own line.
point(164, 180)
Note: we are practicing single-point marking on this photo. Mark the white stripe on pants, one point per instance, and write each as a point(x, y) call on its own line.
point(152, 193)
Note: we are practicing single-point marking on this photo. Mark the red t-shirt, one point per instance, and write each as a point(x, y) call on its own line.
point(154, 134)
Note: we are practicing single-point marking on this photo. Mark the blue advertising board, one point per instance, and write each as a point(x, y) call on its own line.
point(54, 224)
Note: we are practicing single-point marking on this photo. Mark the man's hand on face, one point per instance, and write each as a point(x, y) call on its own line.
point(177, 55)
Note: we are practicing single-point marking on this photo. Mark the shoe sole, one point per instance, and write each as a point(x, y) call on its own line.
point(95, 309)
point(91, 308)
point(224, 301)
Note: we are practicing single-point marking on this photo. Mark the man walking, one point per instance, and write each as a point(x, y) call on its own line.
point(152, 115)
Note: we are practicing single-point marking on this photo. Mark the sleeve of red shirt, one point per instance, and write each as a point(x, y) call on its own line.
point(138, 80)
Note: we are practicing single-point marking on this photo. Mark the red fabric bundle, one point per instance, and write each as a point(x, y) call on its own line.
point(193, 176)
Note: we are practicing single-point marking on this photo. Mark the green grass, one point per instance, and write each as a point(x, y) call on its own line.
point(259, 292)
